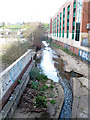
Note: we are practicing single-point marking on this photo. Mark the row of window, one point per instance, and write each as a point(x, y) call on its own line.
point(68, 16)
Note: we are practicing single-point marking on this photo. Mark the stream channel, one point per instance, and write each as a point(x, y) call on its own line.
point(54, 67)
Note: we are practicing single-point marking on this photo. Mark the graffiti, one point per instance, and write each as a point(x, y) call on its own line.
point(84, 55)
point(15, 71)
point(84, 41)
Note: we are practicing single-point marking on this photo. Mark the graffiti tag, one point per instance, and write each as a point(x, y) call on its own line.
point(84, 55)
point(15, 71)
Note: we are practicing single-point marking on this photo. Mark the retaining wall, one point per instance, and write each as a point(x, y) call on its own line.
point(10, 76)
point(9, 109)
point(85, 55)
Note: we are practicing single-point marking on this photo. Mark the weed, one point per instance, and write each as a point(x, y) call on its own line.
point(40, 101)
point(44, 88)
point(41, 93)
point(79, 97)
point(35, 85)
point(51, 81)
point(82, 85)
point(51, 95)
point(34, 74)
point(52, 101)
point(51, 86)
point(64, 49)
point(44, 76)
point(19, 81)
point(81, 108)
point(37, 74)
point(58, 108)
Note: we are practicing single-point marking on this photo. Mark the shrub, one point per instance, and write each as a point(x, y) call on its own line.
point(34, 74)
point(37, 74)
point(44, 76)
point(13, 51)
point(38, 37)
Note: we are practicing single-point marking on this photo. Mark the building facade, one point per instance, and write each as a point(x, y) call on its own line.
point(69, 26)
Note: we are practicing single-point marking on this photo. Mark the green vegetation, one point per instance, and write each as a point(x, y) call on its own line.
point(52, 101)
point(39, 79)
point(13, 27)
point(35, 85)
point(19, 81)
point(81, 108)
point(38, 83)
point(51, 86)
point(44, 88)
point(37, 74)
point(82, 84)
point(46, 27)
point(40, 101)
point(62, 48)
point(51, 95)
point(79, 97)
point(13, 51)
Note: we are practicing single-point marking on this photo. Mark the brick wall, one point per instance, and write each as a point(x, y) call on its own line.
point(85, 16)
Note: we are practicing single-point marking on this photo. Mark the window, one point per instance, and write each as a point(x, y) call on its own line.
point(57, 24)
point(78, 20)
point(63, 21)
point(74, 12)
point(77, 31)
point(60, 24)
point(68, 14)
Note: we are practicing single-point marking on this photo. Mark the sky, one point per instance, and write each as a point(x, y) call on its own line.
point(14, 11)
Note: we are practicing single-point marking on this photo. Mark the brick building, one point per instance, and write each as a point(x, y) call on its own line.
point(69, 27)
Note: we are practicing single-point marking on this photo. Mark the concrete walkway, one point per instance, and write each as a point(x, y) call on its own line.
point(80, 85)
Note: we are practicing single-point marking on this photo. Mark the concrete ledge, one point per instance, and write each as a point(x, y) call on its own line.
point(9, 108)
point(9, 77)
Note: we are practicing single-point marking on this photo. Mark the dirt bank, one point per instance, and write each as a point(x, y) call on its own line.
point(26, 109)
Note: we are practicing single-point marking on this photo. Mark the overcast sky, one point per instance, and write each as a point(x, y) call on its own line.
point(28, 10)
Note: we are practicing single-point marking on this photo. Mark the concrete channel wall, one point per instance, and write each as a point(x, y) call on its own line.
point(9, 109)
point(10, 76)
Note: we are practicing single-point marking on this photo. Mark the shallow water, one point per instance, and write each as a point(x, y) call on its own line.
point(47, 64)
point(53, 66)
